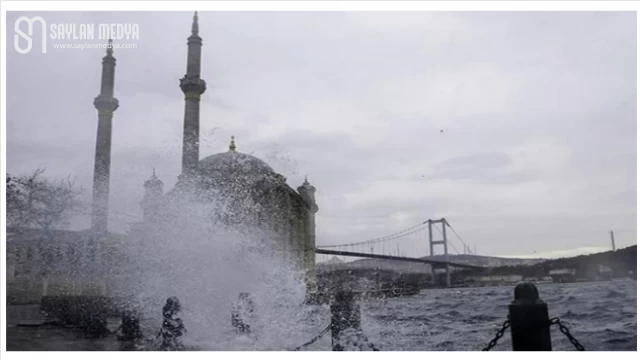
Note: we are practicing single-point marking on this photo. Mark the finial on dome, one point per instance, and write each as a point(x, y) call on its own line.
point(153, 180)
point(306, 182)
point(232, 145)
point(110, 47)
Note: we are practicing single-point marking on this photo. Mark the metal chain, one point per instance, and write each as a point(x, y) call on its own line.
point(493, 342)
point(314, 339)
point(565, 330)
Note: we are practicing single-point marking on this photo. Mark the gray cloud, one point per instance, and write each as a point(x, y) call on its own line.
point(538, 112)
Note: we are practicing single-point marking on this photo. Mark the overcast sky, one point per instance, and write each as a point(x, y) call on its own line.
point(519, 128)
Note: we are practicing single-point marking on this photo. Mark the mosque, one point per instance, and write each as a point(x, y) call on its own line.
point(251, 192)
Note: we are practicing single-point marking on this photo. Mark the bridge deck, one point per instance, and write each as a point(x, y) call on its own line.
point(396, 258)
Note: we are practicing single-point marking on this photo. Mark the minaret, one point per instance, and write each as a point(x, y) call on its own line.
point(307, 191)
point(106, 105)
point(153, 190)
point(192, 87)
point(232, 144)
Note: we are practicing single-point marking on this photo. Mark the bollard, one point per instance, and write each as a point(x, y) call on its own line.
point(529, 319)
point(172, 327)
point(130, 328)
point(345, 315)
point(129, 333)
point(241, 313)
point(94, 326)
point(91, 316)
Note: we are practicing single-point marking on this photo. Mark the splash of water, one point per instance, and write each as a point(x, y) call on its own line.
point(207, 265)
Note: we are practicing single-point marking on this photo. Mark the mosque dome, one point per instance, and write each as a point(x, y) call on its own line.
point(235, 164)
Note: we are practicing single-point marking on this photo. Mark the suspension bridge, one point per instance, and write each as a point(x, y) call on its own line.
point(395, 246)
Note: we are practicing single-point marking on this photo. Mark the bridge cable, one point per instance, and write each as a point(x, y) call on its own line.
point(399, 234)
point(458, 236)
point(393, 236)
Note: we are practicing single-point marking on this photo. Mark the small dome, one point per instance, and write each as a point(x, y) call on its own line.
point(306, 186)
point(153, 181)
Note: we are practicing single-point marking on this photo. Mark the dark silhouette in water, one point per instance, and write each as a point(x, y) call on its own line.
point(239, 315)
point(172, 327)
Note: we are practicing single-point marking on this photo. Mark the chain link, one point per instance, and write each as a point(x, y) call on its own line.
point(565, 330)
point(500, 333)
point(326, 330)
point(491, 344)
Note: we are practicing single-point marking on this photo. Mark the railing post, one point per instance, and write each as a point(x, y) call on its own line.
point(240, 315)
point(345, 314)
point(529, 319)
point(93, 316)
point(129, 333)
point(130, 327)
point(172, 326)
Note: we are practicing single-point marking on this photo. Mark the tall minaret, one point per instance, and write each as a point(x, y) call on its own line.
point(193, 87)
point(106, 105)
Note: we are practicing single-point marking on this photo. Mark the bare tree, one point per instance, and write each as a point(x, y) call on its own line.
point(34, 201)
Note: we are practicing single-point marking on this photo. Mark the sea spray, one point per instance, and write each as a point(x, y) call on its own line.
point(205, 264)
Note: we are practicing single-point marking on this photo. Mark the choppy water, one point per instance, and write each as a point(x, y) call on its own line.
point(602, 316)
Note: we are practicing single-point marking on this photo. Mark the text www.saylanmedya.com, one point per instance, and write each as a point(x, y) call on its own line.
point(83, 46)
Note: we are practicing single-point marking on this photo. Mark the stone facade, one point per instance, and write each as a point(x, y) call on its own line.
point(58, 263)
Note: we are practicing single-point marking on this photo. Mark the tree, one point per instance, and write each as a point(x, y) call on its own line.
point(34, 201)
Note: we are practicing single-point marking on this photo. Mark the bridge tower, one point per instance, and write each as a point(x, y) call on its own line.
point(443, 242)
